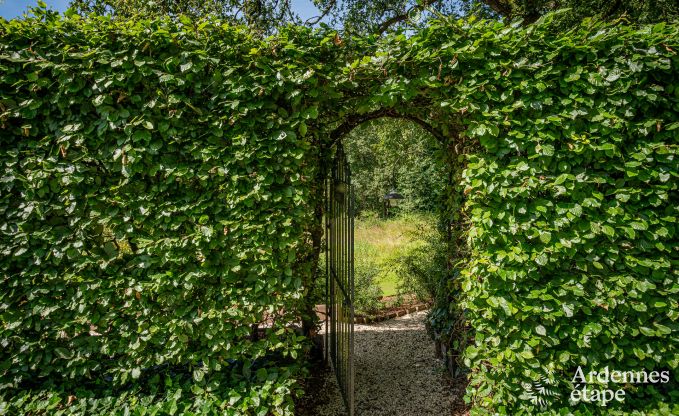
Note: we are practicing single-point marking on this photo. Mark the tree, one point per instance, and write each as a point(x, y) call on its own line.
point(381, 16)
point(264, 15)
point(388, 154)
point(359, 16)
point(636, 11)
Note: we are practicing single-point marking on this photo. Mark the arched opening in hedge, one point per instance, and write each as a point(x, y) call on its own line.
point(410, 161)
point(336, 132)
point(433, 231)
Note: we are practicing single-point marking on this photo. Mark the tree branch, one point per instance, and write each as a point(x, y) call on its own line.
point(402, 17)
point(500, 7)
point(324, 13)
point(389, 22)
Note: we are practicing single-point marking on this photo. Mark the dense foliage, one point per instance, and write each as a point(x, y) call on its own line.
point(389, 154)
point(573, 209)
point(569, 208)
point(360, 16)
point(633, 11)
point(161, 189)
point(422, 265)
point(379, 17)
point(367, 291)
point(146, 231)
point(261, 15)
point(400, 258)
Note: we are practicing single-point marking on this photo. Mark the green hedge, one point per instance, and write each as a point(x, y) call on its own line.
point(160, 179)
point(573, 207)
point(155, 188)
point(563, 154)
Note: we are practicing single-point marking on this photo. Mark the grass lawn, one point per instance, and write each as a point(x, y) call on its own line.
point(383, 240)
point(389, 284)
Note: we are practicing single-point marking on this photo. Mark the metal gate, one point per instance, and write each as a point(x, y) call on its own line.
point(339, 271)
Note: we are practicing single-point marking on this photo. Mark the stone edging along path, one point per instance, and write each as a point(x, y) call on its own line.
point(370, 319)
point(360, 319)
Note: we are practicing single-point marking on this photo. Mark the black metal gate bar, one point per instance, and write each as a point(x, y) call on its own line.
point(340, 275)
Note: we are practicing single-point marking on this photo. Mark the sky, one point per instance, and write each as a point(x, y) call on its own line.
point(15, 8)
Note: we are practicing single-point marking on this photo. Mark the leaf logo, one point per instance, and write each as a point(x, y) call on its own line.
point(541, 390)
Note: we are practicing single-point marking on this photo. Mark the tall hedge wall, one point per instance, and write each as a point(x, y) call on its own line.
point(573, 205)
point(155, 187)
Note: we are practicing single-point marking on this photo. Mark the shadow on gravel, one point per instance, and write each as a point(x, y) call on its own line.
point(397, 374)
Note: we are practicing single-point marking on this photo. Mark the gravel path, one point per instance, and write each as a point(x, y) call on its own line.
point(397, 374)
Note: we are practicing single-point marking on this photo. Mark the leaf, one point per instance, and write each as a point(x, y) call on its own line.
point(647, 331)
point(548, 150)
point(71, 128)
point(99, 100)
point(506, 306)
point(572, 76)
point(110, 249)
point(234, 397)
point(640, 226)
point(63, 353)
point(312, 113)
point(527, 354)
point(545, 236)
point(540, 330)
point(141, 136)
point(662, 329)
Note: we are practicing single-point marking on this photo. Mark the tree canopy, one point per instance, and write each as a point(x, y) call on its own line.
point(259, 14)
point(380, 16)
